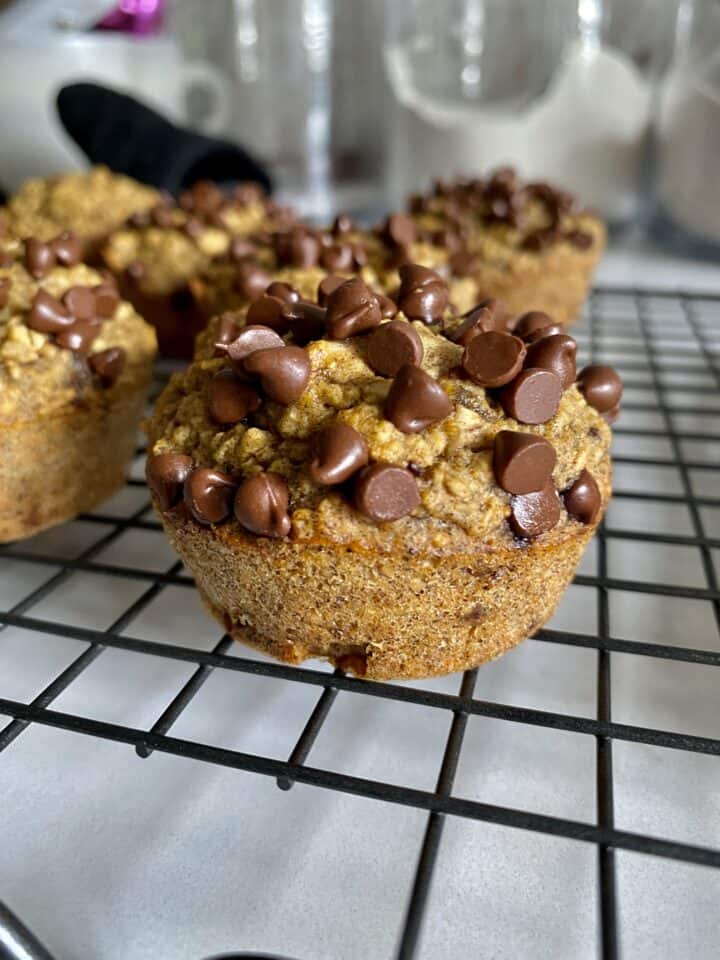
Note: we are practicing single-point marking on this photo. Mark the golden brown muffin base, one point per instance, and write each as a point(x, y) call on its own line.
point(67, 462)
point(381, 615)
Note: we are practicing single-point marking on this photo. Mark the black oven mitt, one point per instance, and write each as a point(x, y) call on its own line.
point(116, 130)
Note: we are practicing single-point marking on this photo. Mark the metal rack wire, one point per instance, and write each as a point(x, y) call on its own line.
point(648, 340)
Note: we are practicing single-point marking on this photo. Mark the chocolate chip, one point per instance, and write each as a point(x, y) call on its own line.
point(227, 331)
point(580, 239)
point(162, 215)
point(339, 256)
point(481, 319)
point(283, 291)
point(423, 294)
point(108, 365)
point(393, 345)
point(48, 315)
point(351, 309)
point(388, 307)
point(582, 499)
point(340, 451)
point(601, 387)
point(463, 263)
point(522, 462)
point(80, 301)
point(284, 372)
point(209, 495)
point(530, 322)
point(307, 321)
point(342, 224)
point(251, 281)
point(67, 249)
point(328, 285)
point(492, 359)
point(556, 353)
point(261, 505)
point(4, 291)
point(165, 474)
point(204, 198)
point(107, 299)
point(385, 493)
point(79, 336)
point(230, 400)
point(135, 270)
point(551, 331)
point(249, 340)
point(193, 227)
point(360, 255)
point(269, 311)
point(399, 230)
point(415, 400)
point(540, 240)
point(39, 257)
point(139, 219)
point(533, 396)
point(248, 192)
point(297, 247)
point(535, 513)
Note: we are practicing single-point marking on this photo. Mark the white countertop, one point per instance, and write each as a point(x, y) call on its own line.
point(109, 857)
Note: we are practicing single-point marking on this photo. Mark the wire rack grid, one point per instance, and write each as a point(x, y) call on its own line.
point(667, 348)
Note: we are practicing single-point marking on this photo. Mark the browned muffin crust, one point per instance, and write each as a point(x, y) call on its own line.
point(402, 498)
point(75, 367)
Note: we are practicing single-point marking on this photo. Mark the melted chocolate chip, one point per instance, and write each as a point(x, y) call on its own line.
point(48, 315)
point(385, 493)
point(394, 345)
point(209, 495)
point(108, 365)
point(351, 309)
point(416, 401)
point(535, 513)
point(230, 400)
point(522, 462)
point(261, 505)
point(582, 499)
point(492, 359)
point(165, 474)
point(80, 301)
point(556, 353)
point(423, 293)
point(340, 451)
point(328, 285)
point(532, 397)
point(39, 257)
point(284, 372)
point(601, 386)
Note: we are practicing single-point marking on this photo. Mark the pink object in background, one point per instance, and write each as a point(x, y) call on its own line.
point(140, 17)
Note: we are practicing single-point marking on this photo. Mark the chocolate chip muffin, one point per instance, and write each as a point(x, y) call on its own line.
point(156, 254)
point(75, 366)
point(404, 498)
point(89, 203)
point(306, 257)
point(530, 245)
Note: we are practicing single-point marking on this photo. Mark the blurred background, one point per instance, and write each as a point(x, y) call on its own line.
point(353, 105)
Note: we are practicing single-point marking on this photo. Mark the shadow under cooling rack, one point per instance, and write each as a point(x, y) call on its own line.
point(667, 459)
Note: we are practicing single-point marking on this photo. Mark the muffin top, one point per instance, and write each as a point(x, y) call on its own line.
point(65, 334)
point(501, 218)
point(89, 203)
point(162, 248)
point(303, 256)
point(380, 424)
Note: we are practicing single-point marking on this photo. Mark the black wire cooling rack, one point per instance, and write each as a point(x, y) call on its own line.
point(665, 342)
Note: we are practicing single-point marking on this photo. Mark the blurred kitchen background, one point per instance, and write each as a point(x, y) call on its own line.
point(351, 105)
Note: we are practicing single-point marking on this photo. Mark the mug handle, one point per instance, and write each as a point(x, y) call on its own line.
point(197, 73)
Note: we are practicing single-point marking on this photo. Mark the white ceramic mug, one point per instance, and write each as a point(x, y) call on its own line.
point(32, 140)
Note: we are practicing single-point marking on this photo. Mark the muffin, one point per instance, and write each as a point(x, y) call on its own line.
point(89, 203)
point(403, 499)
point(530, 245)
point(75, 367)
point(155, 255)
point(303, 256)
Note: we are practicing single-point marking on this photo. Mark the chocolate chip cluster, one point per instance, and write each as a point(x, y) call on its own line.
point(524, 366)
point(74, 321)
point(502, 198)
